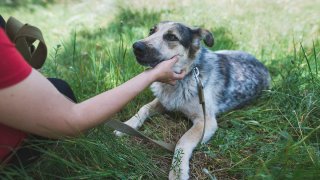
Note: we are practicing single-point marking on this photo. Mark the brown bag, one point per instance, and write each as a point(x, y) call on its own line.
point(25, 37)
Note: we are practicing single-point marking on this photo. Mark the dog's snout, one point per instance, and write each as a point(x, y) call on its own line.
point(139, 49)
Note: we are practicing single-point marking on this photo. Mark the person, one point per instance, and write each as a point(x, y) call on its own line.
point(31, 104)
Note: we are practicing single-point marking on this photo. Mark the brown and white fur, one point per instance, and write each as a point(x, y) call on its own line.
point(230, 78)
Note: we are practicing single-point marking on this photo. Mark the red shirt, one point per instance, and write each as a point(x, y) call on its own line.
point(13, 69)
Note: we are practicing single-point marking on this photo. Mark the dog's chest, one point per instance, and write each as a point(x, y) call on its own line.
point(175, 97)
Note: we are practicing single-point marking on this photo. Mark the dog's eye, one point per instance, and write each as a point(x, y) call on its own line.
point(171, 37)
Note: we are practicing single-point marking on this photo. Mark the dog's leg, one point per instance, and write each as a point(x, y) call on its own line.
point(211, 127)
point(145, 111)
point(183, 152)
point(186, 145)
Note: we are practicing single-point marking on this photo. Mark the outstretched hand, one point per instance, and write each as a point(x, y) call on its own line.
point(165, 74)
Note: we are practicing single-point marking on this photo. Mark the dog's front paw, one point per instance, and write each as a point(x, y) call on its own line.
point(118, 133)
point(173, 175)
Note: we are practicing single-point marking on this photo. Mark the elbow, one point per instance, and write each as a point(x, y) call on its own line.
point(69, 126)
point(74, 126)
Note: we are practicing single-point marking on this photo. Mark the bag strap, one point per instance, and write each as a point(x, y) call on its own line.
point(24, 36)
point(122, 127)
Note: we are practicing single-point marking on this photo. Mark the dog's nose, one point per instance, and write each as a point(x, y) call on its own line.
point(139, 49)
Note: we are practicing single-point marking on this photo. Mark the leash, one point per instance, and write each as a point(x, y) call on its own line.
point(124, 128)
point(196, 74)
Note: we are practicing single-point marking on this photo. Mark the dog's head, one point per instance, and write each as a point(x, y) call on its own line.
point(169, 39)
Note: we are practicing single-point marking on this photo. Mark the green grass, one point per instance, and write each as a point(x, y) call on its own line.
point(276, 137)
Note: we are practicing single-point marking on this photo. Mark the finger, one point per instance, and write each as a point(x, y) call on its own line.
point(183, 73)
point(173, 60)
point(179, 76)
point(172, 82)
point(169, 62)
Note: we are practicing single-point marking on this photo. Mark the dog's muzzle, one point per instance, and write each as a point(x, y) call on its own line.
point(139, 49)
point(145, 55)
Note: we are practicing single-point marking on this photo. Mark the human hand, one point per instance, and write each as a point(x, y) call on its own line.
point(164, 72)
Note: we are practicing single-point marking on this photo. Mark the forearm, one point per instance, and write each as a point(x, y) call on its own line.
point(101, 107)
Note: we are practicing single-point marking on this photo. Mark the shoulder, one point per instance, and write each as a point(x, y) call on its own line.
point(13, 68)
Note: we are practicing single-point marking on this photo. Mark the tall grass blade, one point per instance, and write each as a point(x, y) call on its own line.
point(315, 57)
point(306, 58)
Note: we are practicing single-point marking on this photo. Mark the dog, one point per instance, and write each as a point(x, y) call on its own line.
point(230, 79)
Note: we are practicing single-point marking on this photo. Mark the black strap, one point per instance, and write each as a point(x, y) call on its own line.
point(2, 22)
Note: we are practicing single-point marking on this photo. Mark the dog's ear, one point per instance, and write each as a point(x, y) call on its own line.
point(204, 35)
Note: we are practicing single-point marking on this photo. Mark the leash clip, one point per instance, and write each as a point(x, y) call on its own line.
point(196, 74)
